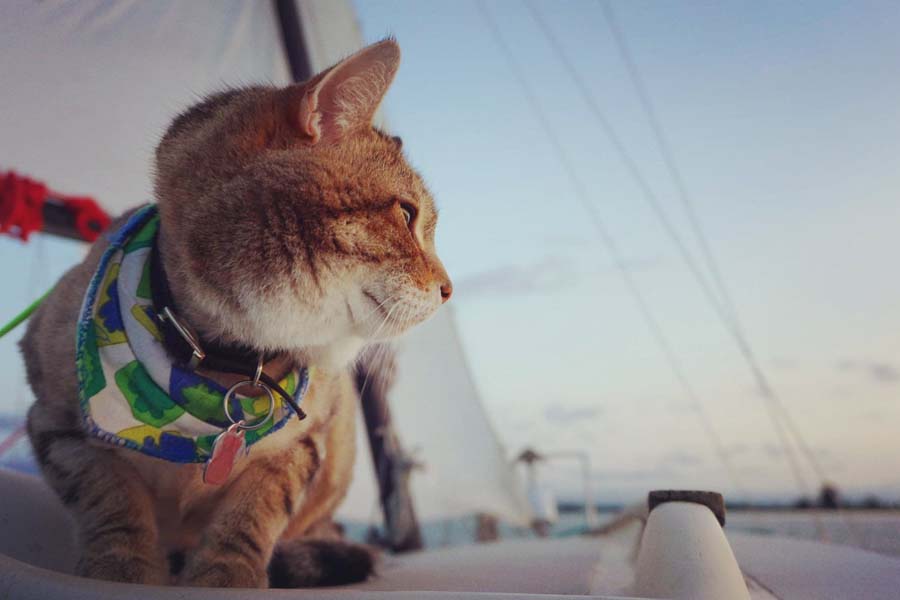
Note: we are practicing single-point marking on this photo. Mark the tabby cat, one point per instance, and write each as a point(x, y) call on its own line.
point(288, 225)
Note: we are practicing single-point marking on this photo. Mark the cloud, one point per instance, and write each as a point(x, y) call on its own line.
point(607, 475)
point(884, 372)
point(638, 264)
point(565, 415)
point(551, 273)
point(880, 372)
point(681, 459)
point(785, 363)
point(736, 449)
point(773, 450)
point(873, 415)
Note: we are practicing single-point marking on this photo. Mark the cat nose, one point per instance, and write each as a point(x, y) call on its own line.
point(446, 291)
point(439, 273)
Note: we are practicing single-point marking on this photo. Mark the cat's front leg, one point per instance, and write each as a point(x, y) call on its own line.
point(255, 509)
point(113, 507)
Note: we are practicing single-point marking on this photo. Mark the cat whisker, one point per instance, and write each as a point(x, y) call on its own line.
point(378, 307)
point(381, 346)
point(401, 322)
point(385, 320)
point(376, 369)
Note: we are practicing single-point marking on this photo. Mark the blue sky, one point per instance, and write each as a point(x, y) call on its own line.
point(783, 118)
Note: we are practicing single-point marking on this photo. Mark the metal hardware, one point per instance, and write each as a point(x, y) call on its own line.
point(227, 400)
point(184, 331)
point(259, 370)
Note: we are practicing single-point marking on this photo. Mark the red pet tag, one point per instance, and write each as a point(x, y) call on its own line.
point(225, 452)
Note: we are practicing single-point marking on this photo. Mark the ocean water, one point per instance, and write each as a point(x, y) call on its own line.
point(874, 530)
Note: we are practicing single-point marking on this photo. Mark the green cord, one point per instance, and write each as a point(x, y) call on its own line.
point(17, 320)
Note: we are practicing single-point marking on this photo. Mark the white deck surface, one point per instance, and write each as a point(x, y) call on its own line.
point(804, 570)
point(37, 552)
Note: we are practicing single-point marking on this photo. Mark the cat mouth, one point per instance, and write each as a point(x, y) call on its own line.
point(379, 304)
point(380, 318)
point(388, 320)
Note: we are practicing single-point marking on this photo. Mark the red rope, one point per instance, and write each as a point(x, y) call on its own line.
point(90, 219)
point(22, 208)
point(21, 205)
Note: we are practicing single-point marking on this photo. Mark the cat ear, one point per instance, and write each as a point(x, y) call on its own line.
point(344, 98)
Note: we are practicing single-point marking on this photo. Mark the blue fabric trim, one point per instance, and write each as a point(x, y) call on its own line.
point(117, 241)
point(141, 216)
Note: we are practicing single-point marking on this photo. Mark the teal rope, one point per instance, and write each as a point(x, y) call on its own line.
point(22, 316)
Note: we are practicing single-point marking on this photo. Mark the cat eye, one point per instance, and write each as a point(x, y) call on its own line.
point(409, 213)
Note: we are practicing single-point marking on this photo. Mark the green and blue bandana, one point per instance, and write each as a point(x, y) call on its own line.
point(130, 392)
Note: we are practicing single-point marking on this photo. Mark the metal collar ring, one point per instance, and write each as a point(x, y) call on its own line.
point(260, 422)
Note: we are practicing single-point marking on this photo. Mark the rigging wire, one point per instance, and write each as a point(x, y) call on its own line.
point(686, 198)
point(607, 239)
point(782, 421)
point(668, 156)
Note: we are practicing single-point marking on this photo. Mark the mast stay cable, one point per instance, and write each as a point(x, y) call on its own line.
point(607, 239)
point(668, 156)
point(712, 264)
point(782, 421)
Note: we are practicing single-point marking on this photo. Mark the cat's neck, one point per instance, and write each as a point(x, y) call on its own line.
point(190, 336)
point(220, 324)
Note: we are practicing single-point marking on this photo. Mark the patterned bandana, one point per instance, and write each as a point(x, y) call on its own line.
point(130, 392)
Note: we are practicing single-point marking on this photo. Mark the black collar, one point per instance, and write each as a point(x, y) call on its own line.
point(191, 351)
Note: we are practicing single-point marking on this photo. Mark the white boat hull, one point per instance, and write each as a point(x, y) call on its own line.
point(38, 550)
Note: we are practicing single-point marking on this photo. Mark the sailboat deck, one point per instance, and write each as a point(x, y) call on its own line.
point(37, 552)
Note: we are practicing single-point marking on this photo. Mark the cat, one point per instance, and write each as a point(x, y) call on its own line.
point(289, 226)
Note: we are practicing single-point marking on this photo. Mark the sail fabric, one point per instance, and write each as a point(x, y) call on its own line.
point(89, 87)
point(443, 425)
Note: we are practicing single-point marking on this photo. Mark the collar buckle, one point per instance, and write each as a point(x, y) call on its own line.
point(197, 352)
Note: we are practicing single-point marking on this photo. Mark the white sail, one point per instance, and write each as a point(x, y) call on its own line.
point(443, 425)
point(89, 87)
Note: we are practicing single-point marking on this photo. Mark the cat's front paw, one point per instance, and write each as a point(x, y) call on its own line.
point(221, 574)
point(312, 563)
point(121, 567)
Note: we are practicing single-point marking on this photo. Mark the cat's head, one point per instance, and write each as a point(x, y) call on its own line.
point(290, 223)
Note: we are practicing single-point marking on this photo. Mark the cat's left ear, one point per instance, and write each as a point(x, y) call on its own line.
point(343, 99)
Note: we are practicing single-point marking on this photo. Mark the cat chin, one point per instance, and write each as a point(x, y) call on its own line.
point(324, 340)
point(335, 356)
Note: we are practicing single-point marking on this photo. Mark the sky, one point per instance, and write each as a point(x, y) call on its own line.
point(784, 121)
